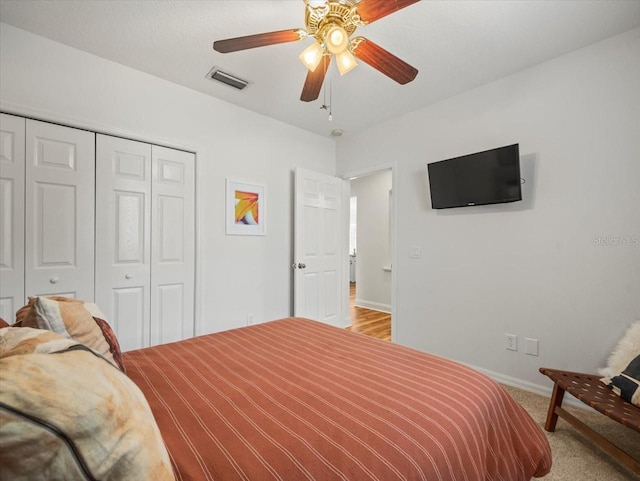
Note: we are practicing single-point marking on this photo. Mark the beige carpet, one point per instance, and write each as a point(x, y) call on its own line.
point(575, 458)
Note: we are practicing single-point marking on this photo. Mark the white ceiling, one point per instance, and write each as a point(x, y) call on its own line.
point(455, 45)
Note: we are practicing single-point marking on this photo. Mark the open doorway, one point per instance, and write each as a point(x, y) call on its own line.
point(370, 253)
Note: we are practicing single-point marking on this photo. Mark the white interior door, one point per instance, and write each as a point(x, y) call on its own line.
point(172, 245)
point(12, 132)
point(123, 240)
point(60, 203)
point(318, 260)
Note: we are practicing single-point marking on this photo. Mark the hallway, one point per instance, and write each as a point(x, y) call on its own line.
point(367, 321)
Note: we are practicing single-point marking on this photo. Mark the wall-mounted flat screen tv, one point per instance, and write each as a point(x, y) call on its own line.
point(489, 177)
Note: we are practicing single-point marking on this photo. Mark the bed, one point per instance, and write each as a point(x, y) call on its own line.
point(295, 399)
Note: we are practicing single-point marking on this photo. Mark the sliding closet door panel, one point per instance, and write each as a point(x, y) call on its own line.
point(60, 202)
point(172, 245)
point(123, 254)
point(12, 132)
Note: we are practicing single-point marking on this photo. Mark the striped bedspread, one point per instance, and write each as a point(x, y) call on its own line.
point(295, 400)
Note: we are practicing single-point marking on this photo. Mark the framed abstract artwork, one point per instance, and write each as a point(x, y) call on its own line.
point(246, 209)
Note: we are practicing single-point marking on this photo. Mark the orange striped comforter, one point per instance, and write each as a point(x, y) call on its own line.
point(296, 400)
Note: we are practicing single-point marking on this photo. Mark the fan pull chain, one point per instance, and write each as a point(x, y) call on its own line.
point(324, 105)
point(324, 97)
point(330, 100)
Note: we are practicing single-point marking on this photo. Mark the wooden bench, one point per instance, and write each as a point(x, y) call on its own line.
point(588, 389)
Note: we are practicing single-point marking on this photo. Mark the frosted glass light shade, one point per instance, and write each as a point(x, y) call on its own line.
point(346, 62)
point(311, 56)
point(336, 40)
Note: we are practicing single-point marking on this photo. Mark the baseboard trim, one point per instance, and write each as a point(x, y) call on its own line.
point(374, 306)
point(529, 386)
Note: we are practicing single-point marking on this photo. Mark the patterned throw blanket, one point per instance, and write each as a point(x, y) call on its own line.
point(66, 413)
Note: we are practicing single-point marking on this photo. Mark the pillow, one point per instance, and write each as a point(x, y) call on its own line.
point(67, 413)
point(107, 332)
point(627, 348)
point(16, 341)
point(73, 319)
point(627, 384)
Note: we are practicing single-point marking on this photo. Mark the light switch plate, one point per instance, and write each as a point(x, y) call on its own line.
point(531, 346)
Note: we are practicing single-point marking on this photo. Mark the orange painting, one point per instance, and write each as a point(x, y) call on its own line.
point(246, 207)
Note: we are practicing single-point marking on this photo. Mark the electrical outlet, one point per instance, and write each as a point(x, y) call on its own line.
point(511, 343)
point(531, 346)
point(249, 319)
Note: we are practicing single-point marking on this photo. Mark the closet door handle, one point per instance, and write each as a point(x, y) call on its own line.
point(54, 280)
point(128, 276)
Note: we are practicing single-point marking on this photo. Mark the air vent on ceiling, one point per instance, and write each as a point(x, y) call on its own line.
point(216, 74)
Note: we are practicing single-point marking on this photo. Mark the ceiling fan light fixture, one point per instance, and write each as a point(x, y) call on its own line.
point(346, 62)
point(332, 23)
point(312, 56)
point(336, 40)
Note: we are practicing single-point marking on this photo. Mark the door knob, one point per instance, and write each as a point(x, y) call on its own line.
point(128, 276)
point(54, 280)
point(301, 265)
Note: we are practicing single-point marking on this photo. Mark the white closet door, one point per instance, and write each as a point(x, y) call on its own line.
point(172, 245)
point(123, 254)
point(12, 131)
point(60, 202)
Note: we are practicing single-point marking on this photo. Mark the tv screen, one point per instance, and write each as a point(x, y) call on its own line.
point(489, 177)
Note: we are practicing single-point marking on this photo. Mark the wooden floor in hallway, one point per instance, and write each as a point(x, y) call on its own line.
point(367, 321)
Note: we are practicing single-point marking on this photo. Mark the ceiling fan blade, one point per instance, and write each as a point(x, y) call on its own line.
point(314, 80)
point(372, 10)
point(384, 61)
point(258, 40)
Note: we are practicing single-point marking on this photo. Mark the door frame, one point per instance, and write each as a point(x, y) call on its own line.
point(348, 177)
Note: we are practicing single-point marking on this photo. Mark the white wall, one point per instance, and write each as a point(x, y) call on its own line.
point(373, 283)
point(542, 268)
point(236, 275)
point(531, 268)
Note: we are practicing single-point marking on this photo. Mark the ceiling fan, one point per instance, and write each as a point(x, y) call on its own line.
point(331, 23)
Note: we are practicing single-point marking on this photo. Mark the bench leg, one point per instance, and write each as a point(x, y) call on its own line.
point(556, 402)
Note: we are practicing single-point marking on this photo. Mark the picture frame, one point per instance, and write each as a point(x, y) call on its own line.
point(246, 208)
